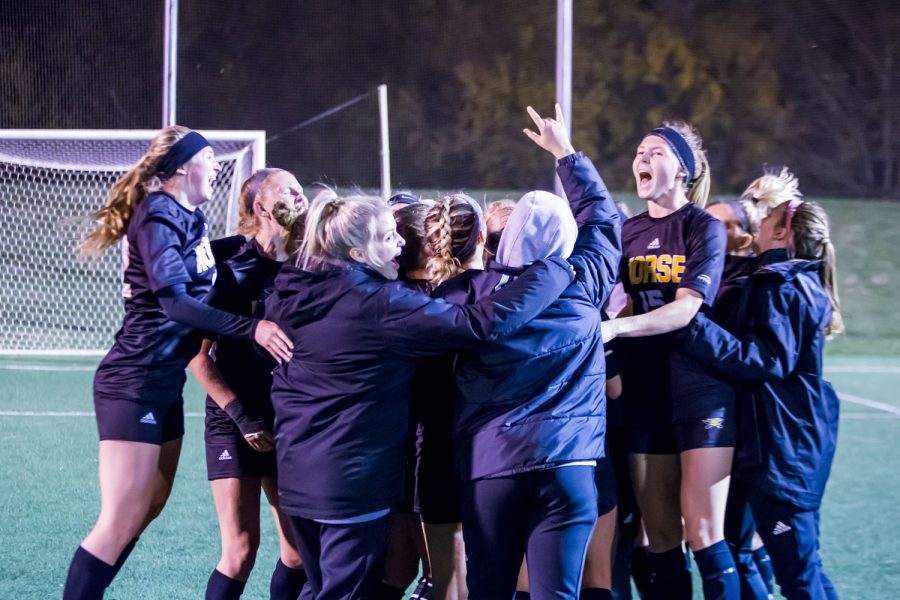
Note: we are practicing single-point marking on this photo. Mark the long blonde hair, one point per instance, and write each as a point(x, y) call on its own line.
point(335, 225)
point(775, 187)
point(452, 227)
point(698, 188)
point(811, 239)
point(112, 220)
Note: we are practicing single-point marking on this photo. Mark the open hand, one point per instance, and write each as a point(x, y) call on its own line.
point(274, 340)
point(552, 135)
point(262, 441)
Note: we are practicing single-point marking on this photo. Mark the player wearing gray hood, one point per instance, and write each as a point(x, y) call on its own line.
point(531, 409)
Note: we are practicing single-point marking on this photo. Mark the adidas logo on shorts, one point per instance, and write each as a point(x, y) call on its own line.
point(224, 455)
point(780, 528)
point(148, 419)
point(653, 245)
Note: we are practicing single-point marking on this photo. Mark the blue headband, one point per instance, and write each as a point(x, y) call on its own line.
point(681, 148)
point(181, 151)
point(255, 182)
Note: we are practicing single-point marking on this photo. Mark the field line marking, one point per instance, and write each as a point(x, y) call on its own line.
point(27, 367)
point(870, 403)
point(886, 370)
point(71, 413)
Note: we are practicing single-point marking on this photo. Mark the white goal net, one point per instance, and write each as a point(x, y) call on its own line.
point(51, 300)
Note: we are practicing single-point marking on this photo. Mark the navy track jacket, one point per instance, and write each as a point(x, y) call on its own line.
point(538, 398)
point(788, 412)
point(341, 402)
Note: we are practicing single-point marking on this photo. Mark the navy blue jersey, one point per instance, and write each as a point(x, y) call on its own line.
point(244, 281)
point(167, 245)
point(685, 249)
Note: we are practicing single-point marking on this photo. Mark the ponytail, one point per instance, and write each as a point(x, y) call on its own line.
point(698, 189)
point(293, 218)
point(112, 220)
point(811, 240)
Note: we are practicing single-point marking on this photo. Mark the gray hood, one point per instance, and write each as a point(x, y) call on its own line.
point(541, 225)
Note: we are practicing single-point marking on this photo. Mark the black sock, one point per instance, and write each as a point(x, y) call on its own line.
point(720, 577)
point(222, 587)
point(123, 556)
point(385, 591)
point(595, 594)
point(764, 564)
point(670, 575)
point(286, 582)
point(640, 571)
point(88, 577)
point(522, 595)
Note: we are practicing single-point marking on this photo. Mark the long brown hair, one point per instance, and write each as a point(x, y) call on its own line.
point(452, 227)
point(112, 220)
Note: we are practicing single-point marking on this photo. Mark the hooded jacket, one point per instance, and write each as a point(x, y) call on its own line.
point(537, 399)
point(788, 412)
point(341, 401)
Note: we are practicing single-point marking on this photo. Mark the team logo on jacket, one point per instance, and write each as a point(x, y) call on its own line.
point(714, 422)
point(205, 260)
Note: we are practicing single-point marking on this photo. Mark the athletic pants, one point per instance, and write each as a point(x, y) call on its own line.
point(546, 515)
point(791, 536)
point(342, 562)
point(739, 530)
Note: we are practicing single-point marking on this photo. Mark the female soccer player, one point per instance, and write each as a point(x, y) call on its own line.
point(455, 230)
point(341, 402)
point(239, 418)
point(530, 413)
point(788, 412)
point(681, 416)
point(138, 385)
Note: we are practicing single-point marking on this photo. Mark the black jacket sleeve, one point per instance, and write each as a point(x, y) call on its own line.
point(181, 307)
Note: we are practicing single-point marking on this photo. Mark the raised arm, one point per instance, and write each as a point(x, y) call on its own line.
point(598, 247)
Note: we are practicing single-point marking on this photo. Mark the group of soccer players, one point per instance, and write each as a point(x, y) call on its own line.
point(482, 414)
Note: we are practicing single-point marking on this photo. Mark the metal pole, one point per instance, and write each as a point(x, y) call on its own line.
point(563, 69)
point(170, 63)
point(385, 142)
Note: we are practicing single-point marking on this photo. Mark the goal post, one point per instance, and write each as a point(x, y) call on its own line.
point(52, 301)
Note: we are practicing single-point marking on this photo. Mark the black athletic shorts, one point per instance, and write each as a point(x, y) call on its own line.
point(228, 455)
point(151, 422)
point(438, 489)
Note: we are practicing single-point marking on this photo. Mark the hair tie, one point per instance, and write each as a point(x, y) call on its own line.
point(682, 149)
point(792, 207)
point(181, 151)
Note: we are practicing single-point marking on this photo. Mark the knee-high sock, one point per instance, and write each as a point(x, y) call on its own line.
point(385, 591)
point(88, 577)
point(764, 566)
point(222, 587)
point(671, 577)
point(519, 595)
point(640, 571)
point(720, 577)
point(286, 582)
point(595, 594)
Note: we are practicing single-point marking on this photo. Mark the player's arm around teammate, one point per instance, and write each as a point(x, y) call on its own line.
point(239, 417)
point(680, 415)
point(341, 402)
point(138, 385)
point(789, 413)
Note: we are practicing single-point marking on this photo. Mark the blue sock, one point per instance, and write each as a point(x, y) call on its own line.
point(751, 582)
point(222, 587)
point(88, 577)
point(720, 577)
point(522, 595)
point(385, 591)
point(670, 575)
point(764, 566)
point(595, 594)
point(287, 583)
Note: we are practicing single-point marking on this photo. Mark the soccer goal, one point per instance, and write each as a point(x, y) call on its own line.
point(52, 301)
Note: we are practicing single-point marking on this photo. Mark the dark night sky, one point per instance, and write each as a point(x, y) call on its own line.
point(765, 83)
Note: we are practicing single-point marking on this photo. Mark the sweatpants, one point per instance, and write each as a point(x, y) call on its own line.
point(791, 536)
point(342, 562)
point(739, 530)
point(548, 516)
